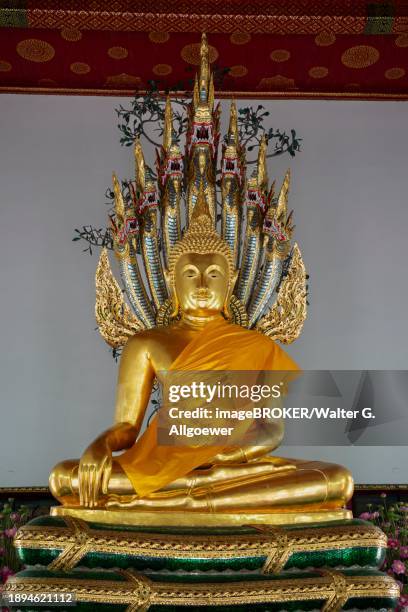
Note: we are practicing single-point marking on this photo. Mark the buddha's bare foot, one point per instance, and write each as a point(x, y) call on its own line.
point(122, 501)
point(171, 501)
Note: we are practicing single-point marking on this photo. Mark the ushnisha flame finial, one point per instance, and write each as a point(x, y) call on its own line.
point(204, 69)
point(117, 191)
point(168, 125)
point(262, 172)
point(139, 166)
point(282, 205)
point(233, 138)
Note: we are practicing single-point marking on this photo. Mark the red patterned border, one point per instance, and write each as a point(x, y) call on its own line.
point(213, 16)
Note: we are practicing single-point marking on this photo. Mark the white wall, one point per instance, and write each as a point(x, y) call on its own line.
point(57, 378)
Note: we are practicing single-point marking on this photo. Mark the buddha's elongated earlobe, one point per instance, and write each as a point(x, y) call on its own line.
point(175, 304)
point(226, 310)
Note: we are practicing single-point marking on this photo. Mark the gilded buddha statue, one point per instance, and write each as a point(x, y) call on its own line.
point(145, 525)
point(213, 301)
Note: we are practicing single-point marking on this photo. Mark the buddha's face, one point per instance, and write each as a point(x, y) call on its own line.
point(201, 282)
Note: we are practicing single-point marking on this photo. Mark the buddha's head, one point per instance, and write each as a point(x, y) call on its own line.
point(201, 273)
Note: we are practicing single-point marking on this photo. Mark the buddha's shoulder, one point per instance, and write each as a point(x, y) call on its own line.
point(150, 337)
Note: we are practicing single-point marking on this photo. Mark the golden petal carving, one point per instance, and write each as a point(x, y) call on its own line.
point(284, 321)
point(115, 320)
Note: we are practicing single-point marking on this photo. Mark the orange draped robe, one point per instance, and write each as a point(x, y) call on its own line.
point(219, 346)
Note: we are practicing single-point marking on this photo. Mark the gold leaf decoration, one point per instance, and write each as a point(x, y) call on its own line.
point(240, 38)
point(118, 52)
point(159, 37)
point(318, 72)
point(325, 39)
point(238, 71)
point(5, 66)
point(71, 34)
point(360, 56)
point(35, 50)
point(280, 55)
point(162, 69)
point(284, 321)
point(80, 68)
point(394, 73)
point(123, 80)
point(277, 82)
point(115, 320)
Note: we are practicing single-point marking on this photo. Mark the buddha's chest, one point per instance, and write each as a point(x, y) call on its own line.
point(164, 354)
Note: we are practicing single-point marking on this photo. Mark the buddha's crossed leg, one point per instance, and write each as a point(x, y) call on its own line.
point(256, 486)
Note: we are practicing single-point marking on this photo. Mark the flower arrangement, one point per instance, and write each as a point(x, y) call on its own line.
point(393, 520)
point(11, 518)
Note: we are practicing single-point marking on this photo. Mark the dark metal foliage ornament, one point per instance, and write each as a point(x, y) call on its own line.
point(255, 229)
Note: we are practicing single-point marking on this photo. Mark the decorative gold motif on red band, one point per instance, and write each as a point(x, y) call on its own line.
point(35, 50)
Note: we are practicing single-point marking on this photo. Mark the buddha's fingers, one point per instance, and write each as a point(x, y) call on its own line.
point(106, 474)
point(96, 484)
point(122, 501)
point(91, 485)
point(83, 484)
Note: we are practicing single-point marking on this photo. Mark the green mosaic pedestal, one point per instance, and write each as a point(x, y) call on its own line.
point(64, 543)
point(126, 591)
point(323, 566)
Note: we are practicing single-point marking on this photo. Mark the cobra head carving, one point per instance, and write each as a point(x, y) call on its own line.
point(254, 236)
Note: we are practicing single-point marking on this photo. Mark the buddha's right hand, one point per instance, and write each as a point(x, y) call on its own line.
point(94, 472)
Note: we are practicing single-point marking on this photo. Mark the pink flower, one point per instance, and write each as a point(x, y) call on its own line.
point(393, 543)
point(15, 516)
point(10, 533)
point(404, 552)
point(398, 567)
point(6, 572)
point(375, 515)
point(365, 516)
